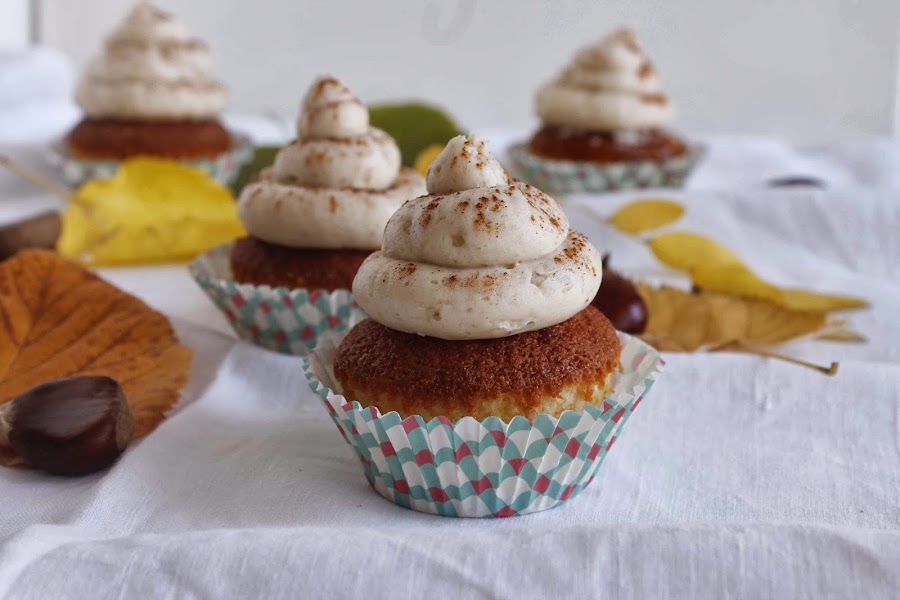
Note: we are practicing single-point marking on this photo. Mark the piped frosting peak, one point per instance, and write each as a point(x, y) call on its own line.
point(609, 86)
point(150, 68)
point(481, 256)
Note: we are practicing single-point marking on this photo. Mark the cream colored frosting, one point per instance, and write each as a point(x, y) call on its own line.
point(335, 146)
point(151, 68)
point(147, 23)
point(610, 86)
point(330, 110)
point(319, 217)
point(482, 256)
point(337, 185)
point(370, 161)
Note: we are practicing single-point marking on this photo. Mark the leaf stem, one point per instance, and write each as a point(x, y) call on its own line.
point(829, 370)
point(38, 179)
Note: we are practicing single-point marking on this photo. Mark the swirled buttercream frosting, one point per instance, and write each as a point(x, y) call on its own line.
point(481, 256)
point(609, 86)
point(150, 68)
point(336, 185)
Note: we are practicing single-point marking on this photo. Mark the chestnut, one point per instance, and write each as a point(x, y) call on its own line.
point(71, 426)
point(620, 301)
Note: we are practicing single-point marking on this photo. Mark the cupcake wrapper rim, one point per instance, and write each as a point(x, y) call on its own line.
point(290, 321)
point(223, 168)
point(579, 176)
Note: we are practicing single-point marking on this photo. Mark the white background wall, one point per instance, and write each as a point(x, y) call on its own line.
point(812, 70)
point(15, 26)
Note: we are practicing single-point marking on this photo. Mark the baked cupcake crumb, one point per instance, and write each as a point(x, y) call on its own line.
point(548, 371)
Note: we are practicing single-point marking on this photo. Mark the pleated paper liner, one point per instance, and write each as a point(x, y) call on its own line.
point(576, 176)
point(223, 168)
point(289, 321)
point(484, 468)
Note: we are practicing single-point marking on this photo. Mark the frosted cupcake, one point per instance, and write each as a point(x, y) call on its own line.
point(149, 92)
point(603, 123)
point(479, 303)
point(321, 209)
point(483, 384)
point(312, 218)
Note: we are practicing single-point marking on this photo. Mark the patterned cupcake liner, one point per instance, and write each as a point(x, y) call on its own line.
point(484, 468)
point(223, 168)
point(281, 319)
point(575, 176)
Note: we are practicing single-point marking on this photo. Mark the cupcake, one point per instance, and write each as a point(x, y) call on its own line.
point(480, 321)
point(603, 124)
point(320, 210)
point(149, 92)
point(312, 218)
point(479, 303)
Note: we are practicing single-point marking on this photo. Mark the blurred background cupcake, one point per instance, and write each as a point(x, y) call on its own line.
point(603, 124)
point(320, 210)
point(312, 218)
point(149, 92)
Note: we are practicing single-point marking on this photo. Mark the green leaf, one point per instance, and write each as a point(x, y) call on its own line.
point(415, 126)
point(263, 156)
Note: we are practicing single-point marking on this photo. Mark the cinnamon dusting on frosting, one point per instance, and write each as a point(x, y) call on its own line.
point(341, 178)
point(609, 86)
point(151, 68)
point(494, 256)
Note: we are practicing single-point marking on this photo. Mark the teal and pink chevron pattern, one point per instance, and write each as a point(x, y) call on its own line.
point(559, 176)
point(484, 468)
point(223, 168)
point(280, 319)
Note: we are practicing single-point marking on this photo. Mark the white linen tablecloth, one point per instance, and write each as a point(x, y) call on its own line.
point(739, 476)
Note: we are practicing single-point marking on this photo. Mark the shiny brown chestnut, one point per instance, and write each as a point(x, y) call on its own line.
point(619, 300)
point(71, 426)
point(40, 231)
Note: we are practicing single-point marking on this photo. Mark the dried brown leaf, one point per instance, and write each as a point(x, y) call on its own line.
point(842, 335)
point(57, 319)
point(684, 322)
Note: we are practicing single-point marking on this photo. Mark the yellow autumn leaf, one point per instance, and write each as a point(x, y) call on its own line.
point(426, 157)
point(715, 268)
point(741, 281)
point(152, 210)
point(686, 251)
point(806, 300)
point(736, 279)
point(684, 322)
point(646, 214)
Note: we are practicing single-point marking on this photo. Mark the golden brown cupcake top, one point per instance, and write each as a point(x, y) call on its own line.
point(528, 367)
